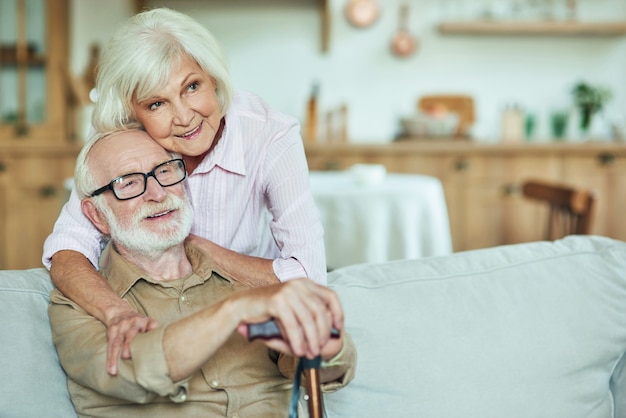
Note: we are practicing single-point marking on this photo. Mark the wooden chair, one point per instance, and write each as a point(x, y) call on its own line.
point(570, 209)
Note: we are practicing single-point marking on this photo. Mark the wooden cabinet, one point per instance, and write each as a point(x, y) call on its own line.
point(33, 71)
point(32, 192)
point(482, 182)
point(604, 172)
point(485, 205)
point(36, 155)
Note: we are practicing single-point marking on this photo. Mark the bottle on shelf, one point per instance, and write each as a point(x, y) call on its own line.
point(310, 132)
point(513, 124)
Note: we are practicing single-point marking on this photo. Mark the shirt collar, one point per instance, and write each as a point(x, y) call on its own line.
point(122, 275)
point(229, 153)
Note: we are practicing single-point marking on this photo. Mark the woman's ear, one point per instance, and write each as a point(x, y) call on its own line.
point(95, 215)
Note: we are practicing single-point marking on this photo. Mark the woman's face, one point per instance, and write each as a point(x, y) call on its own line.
point(184, 115)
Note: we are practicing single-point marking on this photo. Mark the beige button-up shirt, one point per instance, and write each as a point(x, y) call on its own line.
point(242, 378)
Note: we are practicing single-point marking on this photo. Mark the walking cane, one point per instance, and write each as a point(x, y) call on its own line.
point(310, 369)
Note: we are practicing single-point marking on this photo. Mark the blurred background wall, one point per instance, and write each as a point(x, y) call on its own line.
point(274, 50)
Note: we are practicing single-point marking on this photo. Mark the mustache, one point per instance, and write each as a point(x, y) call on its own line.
point(171, 203)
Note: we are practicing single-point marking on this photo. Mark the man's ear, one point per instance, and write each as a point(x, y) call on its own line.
point(95, 215)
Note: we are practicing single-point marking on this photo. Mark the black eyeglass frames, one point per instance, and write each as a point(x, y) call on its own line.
point(133, 185)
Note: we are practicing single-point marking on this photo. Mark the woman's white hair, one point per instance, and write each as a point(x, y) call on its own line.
point(140, 57)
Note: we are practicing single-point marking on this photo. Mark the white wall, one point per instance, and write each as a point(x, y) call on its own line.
point(274, 51)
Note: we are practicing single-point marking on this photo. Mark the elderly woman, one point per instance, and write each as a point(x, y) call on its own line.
point(248, 179)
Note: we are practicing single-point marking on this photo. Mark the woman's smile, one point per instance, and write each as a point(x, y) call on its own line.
point(184, 115)
point(194, 133)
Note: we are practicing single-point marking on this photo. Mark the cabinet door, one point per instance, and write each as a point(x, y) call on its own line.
point(33, 70)
point(35, 193)
point(526, 220)
point(3, 204)
point(605, 174)
point(475, 203)
point(485, 205)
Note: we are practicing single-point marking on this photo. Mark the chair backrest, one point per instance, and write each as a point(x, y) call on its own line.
point(570, 209)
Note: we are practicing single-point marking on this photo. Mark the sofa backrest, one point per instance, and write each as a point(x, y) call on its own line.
point(32, 382)
point(530, 330)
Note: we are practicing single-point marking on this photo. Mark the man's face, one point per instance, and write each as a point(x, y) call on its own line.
point(133, 234)
point(152, 222)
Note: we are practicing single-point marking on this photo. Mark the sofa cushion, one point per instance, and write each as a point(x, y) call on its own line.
point(529, 330)
point(33, 383)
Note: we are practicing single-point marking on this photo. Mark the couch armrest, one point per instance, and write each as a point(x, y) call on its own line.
point(33, 383)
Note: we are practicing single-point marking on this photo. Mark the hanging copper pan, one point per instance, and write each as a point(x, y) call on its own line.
point(361, 13)
point(403, 43)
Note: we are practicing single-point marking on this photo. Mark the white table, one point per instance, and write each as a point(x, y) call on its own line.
point(403, 216)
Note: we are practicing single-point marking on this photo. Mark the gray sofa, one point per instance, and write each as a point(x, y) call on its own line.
point(529, 330)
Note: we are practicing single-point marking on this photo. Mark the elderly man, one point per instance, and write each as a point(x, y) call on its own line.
point(199, 362)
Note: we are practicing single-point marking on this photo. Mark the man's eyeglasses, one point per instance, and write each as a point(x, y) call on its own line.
point(133, 185)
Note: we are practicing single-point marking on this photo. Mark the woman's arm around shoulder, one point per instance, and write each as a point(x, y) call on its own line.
point(78, 280)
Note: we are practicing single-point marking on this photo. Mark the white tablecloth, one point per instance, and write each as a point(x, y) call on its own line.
point(404, 216)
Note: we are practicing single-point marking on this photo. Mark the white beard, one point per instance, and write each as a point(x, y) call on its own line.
point(134, 237)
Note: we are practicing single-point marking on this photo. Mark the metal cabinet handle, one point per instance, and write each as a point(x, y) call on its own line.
point(511, 189)
point(606, 158)
point(21, 129)
point(48, 191)
point(461, 165)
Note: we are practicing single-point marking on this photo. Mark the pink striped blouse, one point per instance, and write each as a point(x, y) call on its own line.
point(251, 194)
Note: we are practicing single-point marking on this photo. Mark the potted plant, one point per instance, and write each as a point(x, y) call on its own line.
point(589, 100)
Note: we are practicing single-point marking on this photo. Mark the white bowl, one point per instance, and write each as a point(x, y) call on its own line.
point(426, 126)
point(368, 174)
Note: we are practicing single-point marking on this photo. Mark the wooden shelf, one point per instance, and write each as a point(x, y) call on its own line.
point(549, 28)
point(9, 56)
point(34, 61)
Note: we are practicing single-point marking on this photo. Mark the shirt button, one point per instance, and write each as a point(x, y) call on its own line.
point(182, 298)
point(183, 397)
point(214, 383)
